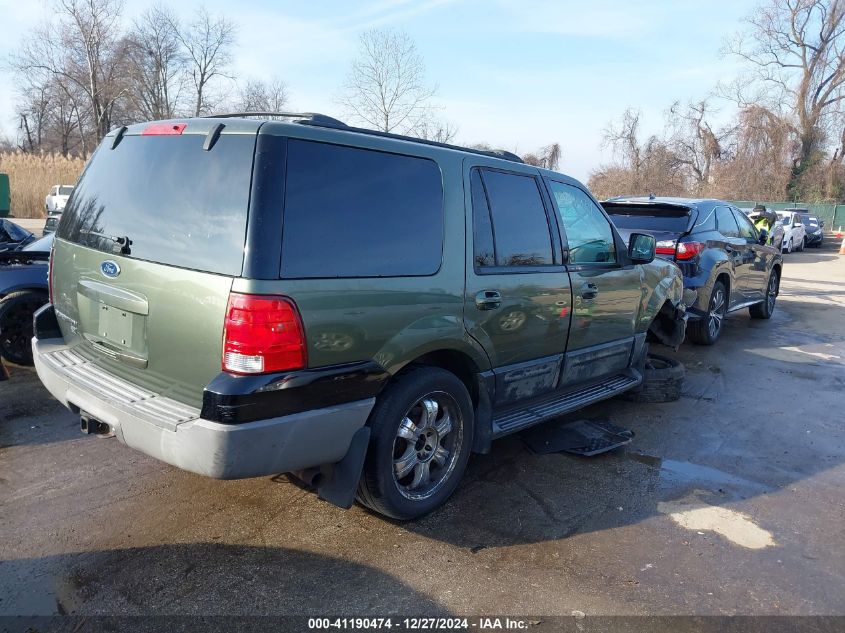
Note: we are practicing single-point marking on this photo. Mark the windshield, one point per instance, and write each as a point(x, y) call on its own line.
point(16, 233)
point(648, 218)
point(175, 202)
point(65, 191)
point(809, 220)
point(42, 245)
point(785, 220)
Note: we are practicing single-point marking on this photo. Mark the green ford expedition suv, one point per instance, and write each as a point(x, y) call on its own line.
point(242, 297)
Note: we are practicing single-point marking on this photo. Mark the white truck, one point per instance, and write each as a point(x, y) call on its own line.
point(57, 198)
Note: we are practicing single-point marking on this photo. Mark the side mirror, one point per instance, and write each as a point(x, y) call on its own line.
point(641, 248)
point(764, 236)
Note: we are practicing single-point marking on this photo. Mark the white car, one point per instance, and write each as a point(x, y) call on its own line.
point(794, 233)
point(57, 198)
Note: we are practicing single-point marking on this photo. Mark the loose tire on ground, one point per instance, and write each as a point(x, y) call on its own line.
point(663, 380)
point(409, 432)
point(16, 310)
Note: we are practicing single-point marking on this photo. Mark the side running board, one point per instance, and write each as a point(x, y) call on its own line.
point(555, 404)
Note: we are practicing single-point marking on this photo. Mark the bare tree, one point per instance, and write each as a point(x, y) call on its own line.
point(89, 57)
point(641, 167)
point(386, 88)
point(261, 96)
point(693, 141)
point(434, 129)
point(158, 64)
point(547, 157)
point(208, 42)
point(795, 49)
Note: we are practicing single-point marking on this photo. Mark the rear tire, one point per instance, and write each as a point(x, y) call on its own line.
point(706, 331)
point(422, 429)
point(766, 308)
point(16, 310)
point(663, 379)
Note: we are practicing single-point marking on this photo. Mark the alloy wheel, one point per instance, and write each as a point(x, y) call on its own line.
point(427, 445)
point(772, 292)
point(717, 313)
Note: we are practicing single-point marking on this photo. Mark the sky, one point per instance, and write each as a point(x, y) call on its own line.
point(514, 74)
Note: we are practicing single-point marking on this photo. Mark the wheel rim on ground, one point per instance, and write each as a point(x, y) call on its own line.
point(717, 312)
point(771, 292)
point(427, 445)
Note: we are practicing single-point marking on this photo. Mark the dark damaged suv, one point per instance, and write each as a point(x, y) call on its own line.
point(241, 297)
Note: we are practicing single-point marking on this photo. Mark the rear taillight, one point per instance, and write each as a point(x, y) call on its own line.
point(688, 250)
point(50, 275)
point(665, 247)
point(262, 334)
point(681, 250)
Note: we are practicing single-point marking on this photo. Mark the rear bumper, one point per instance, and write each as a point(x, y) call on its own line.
point(175, 433)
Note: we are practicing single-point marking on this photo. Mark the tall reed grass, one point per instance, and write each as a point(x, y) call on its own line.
point(32, 175)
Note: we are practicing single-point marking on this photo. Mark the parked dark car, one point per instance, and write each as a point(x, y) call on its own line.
point(813, 227)
point(723, 257)
point(23, 289)
point(52, 222)
point(13, 236)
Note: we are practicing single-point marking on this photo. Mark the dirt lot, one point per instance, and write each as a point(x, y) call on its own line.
point(729, 501)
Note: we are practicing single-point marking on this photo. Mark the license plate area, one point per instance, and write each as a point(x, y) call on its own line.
point(116, 325)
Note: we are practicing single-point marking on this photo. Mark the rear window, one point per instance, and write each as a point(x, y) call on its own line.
point(648, 218)
point(65, 191)
point(178, 204)
point(352, 212)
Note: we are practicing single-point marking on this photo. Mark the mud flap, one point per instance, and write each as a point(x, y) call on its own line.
point(339, 482)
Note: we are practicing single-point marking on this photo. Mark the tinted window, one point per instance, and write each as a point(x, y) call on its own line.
point(725, 222)
point(353, 212)
point(648, 218)
point(65, 191)
point(746, 229)
point(178, 204)
point(706, 221)
point(484, 253)
point(588, 233)
point(520, 224)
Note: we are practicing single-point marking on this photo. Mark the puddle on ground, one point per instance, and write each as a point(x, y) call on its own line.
point(675, 473)
point(692, 513)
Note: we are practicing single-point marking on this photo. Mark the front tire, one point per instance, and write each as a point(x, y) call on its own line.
point(422, 430)
point(706, 330)
point(766, 308)
point(803, 244)
point(16, 310)
point(789, 246)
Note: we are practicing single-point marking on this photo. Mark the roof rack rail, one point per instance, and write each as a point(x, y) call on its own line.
point(321, 120)
point(314, 118)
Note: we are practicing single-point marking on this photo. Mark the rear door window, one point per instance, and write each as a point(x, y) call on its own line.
point(176, 203)
point(648, 218)
point(725, 222)
point(352, 212)
point(746, 228)
point(519, 223)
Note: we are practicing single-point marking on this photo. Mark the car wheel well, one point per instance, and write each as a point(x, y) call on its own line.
point(455, 362)
point(725, 278)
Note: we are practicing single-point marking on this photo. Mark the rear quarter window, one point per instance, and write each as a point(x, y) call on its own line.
point(352, 212)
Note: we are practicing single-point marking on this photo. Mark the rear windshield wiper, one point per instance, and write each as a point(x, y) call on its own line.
point(123, 240)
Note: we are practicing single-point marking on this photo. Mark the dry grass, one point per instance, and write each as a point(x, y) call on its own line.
point(32, 175)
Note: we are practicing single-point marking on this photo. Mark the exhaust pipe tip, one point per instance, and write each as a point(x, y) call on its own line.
point(90, 426)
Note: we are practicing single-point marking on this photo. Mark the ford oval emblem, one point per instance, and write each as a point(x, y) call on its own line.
point(110, 268)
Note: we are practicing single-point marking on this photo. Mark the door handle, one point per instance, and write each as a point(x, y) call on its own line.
point(589, 291)
point(488, 300)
